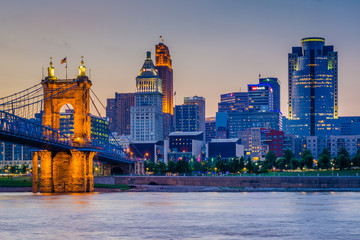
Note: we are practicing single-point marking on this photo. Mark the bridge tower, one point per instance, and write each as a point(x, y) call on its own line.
point(67, 171)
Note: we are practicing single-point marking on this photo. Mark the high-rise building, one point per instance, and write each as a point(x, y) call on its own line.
point(210, 128)
point(233, 102)
point(187, 118)
point(260, 98)
point(313, 87)
point(147, 115)
point(118, 112)
point(163, 65)
point(200, 102)
point(275, 84)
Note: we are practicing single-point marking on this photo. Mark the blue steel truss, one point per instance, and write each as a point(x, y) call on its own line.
point(32, 133)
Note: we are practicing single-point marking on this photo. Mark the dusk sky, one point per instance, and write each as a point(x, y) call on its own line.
point(216, 46)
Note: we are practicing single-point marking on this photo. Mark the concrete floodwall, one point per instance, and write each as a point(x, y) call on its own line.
point(247, 182)
point(105, 180)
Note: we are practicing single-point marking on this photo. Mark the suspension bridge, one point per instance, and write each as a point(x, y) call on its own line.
point(32, 117)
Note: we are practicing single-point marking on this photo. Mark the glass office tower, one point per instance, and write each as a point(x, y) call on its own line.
point(313, 88)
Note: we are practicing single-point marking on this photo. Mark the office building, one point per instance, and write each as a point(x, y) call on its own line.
point(225, 148)
point(163, 65)
point(238, 122)
point(210, 128)
point(99, 127)
point(200, 102)
point(233, 102)
point(275, 85)
point(14, 154)
point(118, 112)
point(184, 144)
point(260, 98)
point(146, 117)
point(187, 118)
point(313, 87)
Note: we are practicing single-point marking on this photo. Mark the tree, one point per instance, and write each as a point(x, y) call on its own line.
point(249, 165)
point(288, 155)
point(235, 165)
point(356, 160)
point(160, 168)
point(222, 165)
point(307, 159)
point(242, 163)
point(182, 166)
point(150, 166)
point(294, 163)
point(281, 163)
point(270, 159)
point(171, 166)
point(23, 169)
point(324, 159)
point(343, 159)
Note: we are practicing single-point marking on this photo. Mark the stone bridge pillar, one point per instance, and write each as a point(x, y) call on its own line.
point(67, 171)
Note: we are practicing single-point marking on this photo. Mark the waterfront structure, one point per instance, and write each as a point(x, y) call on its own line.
point(184, 144)
point(147, 115)
point(260, 97)
point(118, 112)
point(200, 102)
point(275, 85)
point(210, 128)
point(225, 148)
point(313, 88)
point(66, 171)
point(163, 65)
point(234, 102)
point(187, 118)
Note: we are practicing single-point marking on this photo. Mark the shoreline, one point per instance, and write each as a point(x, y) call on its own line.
point(184, 189)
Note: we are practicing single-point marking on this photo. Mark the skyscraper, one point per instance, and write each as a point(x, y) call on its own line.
point(200, 101)
point(163, 65)
point(313, 87)
point(147, 115)
point(275, 84)
point(118, 112)
point(260, 98)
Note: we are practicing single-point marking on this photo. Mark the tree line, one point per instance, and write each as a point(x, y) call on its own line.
point(239, 165)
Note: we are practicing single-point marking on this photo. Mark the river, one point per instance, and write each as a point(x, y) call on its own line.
point(203, 215)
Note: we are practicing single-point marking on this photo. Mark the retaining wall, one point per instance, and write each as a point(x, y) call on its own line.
point(248, 182)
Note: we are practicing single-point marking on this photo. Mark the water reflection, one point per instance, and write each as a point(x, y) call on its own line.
point(180, 216)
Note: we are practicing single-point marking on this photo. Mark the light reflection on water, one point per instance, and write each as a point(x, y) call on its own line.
point(277, 215)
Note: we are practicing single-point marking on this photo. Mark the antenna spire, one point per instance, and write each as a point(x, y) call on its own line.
point(161, 39)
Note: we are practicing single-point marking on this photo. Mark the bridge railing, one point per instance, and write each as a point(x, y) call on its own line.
point(17, 126)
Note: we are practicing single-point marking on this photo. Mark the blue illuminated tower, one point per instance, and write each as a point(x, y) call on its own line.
point(313, 88)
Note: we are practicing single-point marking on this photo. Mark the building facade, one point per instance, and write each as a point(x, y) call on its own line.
point(210, 128)
point(163, 64)
point(260, 98)
point(200, 102)
point(275, 85)
point(234, 102)
point(313, 87)
point(187, 118)
point(118, 112)
point(147, 115)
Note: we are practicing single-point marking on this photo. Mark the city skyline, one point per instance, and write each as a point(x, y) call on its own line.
point(221, 46)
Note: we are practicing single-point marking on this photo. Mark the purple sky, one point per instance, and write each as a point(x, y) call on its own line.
point(216, 46)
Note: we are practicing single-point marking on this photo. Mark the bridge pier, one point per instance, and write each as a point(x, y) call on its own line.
point(66, 171)
point(35, 173)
